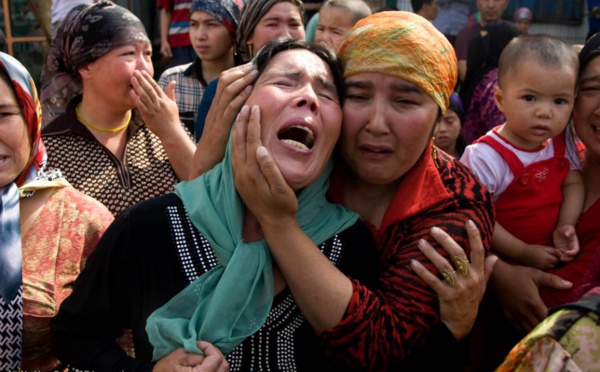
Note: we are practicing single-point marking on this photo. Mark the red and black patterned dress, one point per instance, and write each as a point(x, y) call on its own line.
point(383, 327)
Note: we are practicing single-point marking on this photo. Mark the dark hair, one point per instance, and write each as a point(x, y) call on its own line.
point(590, 50)
point(418, 4)
point(483, 55)
point(274, 47)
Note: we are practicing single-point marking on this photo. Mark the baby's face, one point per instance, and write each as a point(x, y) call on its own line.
point(334, 24)
point(537, 101)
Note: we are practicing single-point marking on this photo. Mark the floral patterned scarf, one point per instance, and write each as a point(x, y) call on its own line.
point(11, 313)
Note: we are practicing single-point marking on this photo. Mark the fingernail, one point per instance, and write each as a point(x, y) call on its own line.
point(262, 151)
point(248, 89)
point(244, 109)
point(422, 243)
point(253, 72)
point(566, 282)
point(471, 224)
point(435, 230)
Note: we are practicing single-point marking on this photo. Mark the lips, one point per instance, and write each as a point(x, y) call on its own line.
point(299, 136)
point(540, 129)
point(375, 149)
point(202, 49)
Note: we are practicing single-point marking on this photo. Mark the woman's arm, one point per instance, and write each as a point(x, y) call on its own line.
point(390, 321)
point(93, 316)
point(232, 91)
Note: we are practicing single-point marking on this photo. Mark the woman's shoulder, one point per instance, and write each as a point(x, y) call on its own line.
point(154, 209)
point(63, 123)
point(86, 207)
point(459, 179)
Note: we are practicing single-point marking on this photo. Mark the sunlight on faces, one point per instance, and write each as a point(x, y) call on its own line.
point(300, 114)
point(210, 38)
point(334, 24)
point(536, 107)
point(388, 123)
point(447, 131)
point(282, 20)
point(586, 113)
point(109, 77)
point(14, 140)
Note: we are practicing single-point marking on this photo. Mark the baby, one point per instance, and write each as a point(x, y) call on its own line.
point(530, 162)
point(336, 18)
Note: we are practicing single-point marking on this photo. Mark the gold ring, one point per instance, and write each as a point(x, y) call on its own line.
point(462, 264)
point(449, 277)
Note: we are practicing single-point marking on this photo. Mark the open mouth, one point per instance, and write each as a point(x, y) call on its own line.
point(298, 136)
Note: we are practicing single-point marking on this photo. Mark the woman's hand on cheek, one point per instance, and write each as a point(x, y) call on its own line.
point(232, 91)
point(158, 109)
point(257, 177)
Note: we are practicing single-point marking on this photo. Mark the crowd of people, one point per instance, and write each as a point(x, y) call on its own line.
point(367, 193)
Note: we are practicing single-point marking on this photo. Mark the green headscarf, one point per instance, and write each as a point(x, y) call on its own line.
point(232, 301)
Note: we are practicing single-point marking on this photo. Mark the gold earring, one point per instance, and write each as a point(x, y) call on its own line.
point(434, 153)
point(250, 50)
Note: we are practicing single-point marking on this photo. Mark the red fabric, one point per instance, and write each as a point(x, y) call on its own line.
point(588, 233)
point(179, 28)
point(55, 250)
point(530, 206)
point(165, 4)
point(385, 324)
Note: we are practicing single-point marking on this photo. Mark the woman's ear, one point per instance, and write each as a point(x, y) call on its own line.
point(498, 97)
point(84, 72)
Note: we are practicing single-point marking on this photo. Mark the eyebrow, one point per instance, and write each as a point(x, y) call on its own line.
point(279, 18)
point(359, 84)
point(323, 82)
point(396, 86)
point(588, 79)
point(9, 105)
point(407, 88)
point(327, 85)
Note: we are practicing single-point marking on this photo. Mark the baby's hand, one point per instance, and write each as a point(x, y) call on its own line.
point(540, 256)
point(566, 241)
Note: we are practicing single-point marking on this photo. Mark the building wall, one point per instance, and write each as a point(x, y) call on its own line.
point(574, 34)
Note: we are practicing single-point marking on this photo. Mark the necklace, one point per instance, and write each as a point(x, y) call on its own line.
point(114, 130)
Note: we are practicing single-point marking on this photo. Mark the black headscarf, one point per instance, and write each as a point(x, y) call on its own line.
point(88, 32)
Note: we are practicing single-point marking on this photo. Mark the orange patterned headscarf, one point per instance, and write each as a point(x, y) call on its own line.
point(405, 45)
